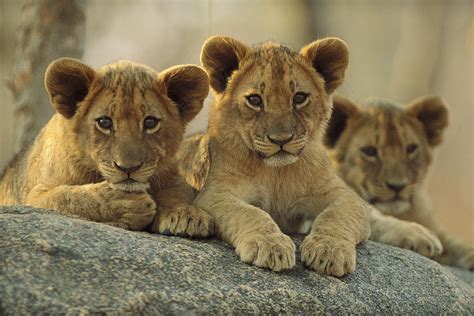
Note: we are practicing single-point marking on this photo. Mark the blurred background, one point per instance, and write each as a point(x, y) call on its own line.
point(399, 50)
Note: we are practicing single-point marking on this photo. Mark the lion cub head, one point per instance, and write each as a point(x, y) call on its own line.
point(127, 119)
point(270, 100)
point(383, 151)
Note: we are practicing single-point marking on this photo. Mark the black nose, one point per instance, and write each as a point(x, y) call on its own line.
point(128, 169)
point(397, 187)
point(281, 140)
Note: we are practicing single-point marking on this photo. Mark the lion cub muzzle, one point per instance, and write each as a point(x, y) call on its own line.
point(279, 149)
point(128, 169)
point(129, 177)
point(281, 139)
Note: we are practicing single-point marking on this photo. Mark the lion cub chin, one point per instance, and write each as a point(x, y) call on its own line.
point(107, 155)
point(261, 169)
point(383, 151)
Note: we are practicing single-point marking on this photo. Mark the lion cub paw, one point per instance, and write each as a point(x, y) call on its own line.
point(184, 221)
point(273, 251)
point(416, 237)
point(328, 255)
point(467, 260)
point(129, 210)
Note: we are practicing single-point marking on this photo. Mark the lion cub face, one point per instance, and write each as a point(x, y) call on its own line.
point(383, 151)
point(129, 118)
point(274, 99)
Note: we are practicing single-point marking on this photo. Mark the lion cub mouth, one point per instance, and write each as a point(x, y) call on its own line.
point(280, 158)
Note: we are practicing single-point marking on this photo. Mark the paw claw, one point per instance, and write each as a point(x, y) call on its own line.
point(186, 221)
point(273, 251)
point(167, 232)
point(331, 256)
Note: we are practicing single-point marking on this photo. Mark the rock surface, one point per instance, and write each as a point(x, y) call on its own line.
point(51, 264)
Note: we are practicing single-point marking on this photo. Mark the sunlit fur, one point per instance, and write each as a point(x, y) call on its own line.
point(392, 129)
point(258, 190)
point(127, 93)
point(117, 174)
point(276, 73)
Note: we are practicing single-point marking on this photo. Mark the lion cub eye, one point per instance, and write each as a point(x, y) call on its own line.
point(300, 99)
point(104, 124)
point(254, 101)
point(411, 148)
point(151, 124)
point(369, 151)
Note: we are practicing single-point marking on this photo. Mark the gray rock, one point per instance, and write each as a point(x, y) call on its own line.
point(51, 264)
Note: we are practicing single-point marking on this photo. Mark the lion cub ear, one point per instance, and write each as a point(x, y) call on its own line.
point(187, 86)
point(67, 81)
point(432, 113)
point(343, 109)
point(330, 57)
point(220, 56)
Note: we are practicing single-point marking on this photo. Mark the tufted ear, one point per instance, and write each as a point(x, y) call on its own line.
point(330, 57)
point(220, 56)
point(187, 86)
point(432, 113)
point(342, 110)
point(67, 81)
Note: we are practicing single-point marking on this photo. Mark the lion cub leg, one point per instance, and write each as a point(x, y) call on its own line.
point(329, 248)
point(456, 252)
point(256, 237)
point(96, 202)
point(403, 234)
point(176, 216)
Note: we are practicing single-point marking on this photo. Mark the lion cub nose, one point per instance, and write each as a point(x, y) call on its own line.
point(280, 139)
point(128, 169)
point(397, 187)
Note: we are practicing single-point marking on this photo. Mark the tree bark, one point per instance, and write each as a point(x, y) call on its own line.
point(48, 29)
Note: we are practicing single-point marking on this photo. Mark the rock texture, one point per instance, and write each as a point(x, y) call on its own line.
point(52, 264)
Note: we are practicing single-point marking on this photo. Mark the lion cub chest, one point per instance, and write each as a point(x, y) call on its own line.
point(287, 197)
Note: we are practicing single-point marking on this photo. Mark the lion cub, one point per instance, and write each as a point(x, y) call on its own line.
point(384, 152)
point(261, 168)
point(107, 155)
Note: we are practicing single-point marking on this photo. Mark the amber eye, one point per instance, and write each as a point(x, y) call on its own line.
point(411, 148)
point(105, 123)
point(369, 151)
point(254, 101)
point(151, 123)
point(300, 98)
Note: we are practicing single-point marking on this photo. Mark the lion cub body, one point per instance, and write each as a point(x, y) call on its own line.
point(261, 169)
point(107, 155)
point(384, 151)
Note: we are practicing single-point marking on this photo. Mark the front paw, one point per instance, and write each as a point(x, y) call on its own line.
point(328, 255)
point(129, 210)
point(184, 221)
point(274, 251)
point(415, 237)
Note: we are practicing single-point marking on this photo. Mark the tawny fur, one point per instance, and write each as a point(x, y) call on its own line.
point(257, 190)
point(404, 139)
point(118, 175)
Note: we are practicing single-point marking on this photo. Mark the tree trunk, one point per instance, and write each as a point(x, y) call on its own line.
point(48, 29)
